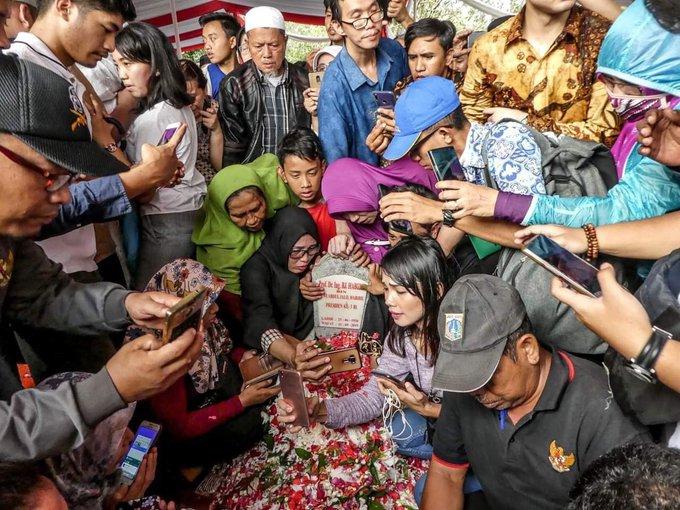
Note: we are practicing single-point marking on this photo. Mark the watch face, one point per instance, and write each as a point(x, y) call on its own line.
point(641, 373)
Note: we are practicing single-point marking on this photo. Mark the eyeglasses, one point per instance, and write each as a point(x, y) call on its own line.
point(54, 181)
point(311, 252)
point(361, 23)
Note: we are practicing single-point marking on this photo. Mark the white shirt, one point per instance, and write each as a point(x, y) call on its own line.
point(76, 249)
point(149, 128)
point(105, 81)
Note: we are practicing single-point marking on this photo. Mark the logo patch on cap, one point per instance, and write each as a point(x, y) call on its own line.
point(454, 326)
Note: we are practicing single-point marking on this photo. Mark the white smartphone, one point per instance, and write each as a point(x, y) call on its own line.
point(169, 131)
point(143, 442)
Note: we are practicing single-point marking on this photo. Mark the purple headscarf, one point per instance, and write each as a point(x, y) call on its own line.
point(350, 185)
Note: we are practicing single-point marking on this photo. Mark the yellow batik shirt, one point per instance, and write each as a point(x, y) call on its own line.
point(559, 91)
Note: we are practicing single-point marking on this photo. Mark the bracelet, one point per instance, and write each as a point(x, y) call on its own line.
point(642, 366)
point(593, 250)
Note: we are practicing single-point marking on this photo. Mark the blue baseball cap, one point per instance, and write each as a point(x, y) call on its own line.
point(424, 103)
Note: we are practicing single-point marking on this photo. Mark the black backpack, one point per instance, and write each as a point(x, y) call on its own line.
point(652, 404)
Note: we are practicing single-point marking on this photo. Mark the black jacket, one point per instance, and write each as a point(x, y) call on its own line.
point(241, 110)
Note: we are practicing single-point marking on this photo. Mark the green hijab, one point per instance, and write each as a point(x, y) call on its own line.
point(222, 246)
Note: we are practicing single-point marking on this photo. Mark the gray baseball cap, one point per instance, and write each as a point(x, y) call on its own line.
point(475, 318)
point(32, 3)
point(42, 110)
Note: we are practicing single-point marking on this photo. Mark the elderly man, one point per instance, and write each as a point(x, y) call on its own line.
point(263, 99)
point(525, 420)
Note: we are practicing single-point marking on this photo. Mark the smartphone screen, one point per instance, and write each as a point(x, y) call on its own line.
point(446, 165)
point(167, 134)
point(401, 226)
point(142, 443)
point(385, 99)
point(571, 268)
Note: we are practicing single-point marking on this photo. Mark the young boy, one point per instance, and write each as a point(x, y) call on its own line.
point(301, 167)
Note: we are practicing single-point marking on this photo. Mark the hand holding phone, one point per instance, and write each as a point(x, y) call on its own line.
point(188, 313)
point(293, 391)
point(445, 164)
point(401, 226)
point(576, 272)
point(167, 134)
point(145, 438)
point(390, 378)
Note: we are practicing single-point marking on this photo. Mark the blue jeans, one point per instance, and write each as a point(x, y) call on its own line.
point(409, 433)
point(470, 485)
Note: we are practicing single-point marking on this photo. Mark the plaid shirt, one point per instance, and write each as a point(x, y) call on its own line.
point(276, 118)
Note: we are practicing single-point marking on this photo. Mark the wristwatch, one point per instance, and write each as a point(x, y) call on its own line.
point(642, 366)
point(447, 218)
point(111, 147)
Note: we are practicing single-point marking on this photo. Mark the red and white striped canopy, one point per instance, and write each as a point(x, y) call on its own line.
point(181, 16)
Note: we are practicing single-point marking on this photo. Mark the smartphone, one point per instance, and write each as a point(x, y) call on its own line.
point(169, 131)
point(207, 103)
point(293, 391)
point(445, 164)
point(184, 315)
point(399, 384)
point(315, 80)
point(342, 360)
point(575, 271)
point(402, 226)
point(144, 439)
point(473, 37)
point(385, 99)
point(259, 368)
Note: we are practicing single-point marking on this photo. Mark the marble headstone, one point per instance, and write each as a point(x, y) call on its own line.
point(344, 303)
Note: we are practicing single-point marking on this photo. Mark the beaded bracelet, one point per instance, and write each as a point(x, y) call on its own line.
point(591, 237)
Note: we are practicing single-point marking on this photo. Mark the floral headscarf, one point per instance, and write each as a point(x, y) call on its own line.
point(86, 475)
point(179, 278)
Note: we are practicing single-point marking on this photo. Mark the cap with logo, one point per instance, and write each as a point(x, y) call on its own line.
point(475, 318)
point(424, 103)
point(264, 17)
point(42, 110)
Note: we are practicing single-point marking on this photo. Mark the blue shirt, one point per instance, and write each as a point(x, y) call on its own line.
point(94, 201)
point(346, 104)
point(215, 77)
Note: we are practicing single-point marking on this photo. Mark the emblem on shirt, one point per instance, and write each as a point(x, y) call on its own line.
point(560, 461)
point(78, 110)
point(6, 267)
point(454, 326)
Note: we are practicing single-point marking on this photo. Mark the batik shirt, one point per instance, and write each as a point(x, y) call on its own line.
point(559, 91)
point(509, 152)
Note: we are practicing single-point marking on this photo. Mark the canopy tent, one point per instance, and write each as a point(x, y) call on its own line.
point(178, 19)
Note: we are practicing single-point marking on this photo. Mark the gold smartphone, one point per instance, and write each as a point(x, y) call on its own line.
point(293, 390)
point(315, 80)
point(184, 315)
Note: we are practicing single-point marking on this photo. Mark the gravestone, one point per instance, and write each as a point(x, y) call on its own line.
point(344, 303)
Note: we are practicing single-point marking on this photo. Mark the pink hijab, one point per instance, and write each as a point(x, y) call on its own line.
point(350, 185)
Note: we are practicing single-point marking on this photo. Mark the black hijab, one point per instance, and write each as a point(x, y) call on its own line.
point(272, 299)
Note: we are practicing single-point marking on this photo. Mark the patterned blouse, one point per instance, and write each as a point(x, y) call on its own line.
point(559, 91)
point(203, 155)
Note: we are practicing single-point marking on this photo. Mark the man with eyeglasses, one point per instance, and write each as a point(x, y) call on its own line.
point(44, 147)
point(347, 108)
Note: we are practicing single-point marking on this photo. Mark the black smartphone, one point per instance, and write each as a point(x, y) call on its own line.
point(445, 164)
point(382, 375)
point(385, 99)
point(207, 103)
point(575, 271)
point(146, 436)
point(401, 226)
point(473, 37)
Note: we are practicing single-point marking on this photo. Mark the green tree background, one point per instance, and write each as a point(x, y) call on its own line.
point(462, 15)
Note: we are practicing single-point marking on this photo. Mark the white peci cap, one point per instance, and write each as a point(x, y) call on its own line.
point(264, 17)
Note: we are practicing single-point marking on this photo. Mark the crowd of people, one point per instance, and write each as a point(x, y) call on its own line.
point(134, 177)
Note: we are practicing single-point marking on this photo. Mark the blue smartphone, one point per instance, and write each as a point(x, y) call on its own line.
point(385, 99)
point(167, 134)
point(445, 164)
point(144, 440)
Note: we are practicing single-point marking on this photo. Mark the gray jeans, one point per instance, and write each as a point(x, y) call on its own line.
point(162, 239)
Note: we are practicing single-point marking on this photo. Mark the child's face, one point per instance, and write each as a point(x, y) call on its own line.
point(303, 177)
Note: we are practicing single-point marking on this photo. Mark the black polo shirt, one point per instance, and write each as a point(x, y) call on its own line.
point(535, 463)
